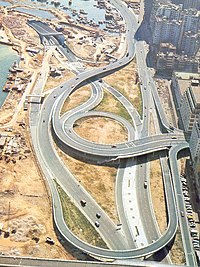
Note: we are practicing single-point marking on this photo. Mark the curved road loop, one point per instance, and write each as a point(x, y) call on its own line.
point(47, 124)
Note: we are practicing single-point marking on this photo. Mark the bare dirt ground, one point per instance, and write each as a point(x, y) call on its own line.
point(157, 189)
point(52, 82)
point(101, 130)
point(166, 100)
point(22, 191)
point(157, 194)
point(77, 98)
point(6, 112)
point(177, 252)
point(125, 81)
point(22, 187)
point(66, 74)
point(87, 47)
point(97, 180)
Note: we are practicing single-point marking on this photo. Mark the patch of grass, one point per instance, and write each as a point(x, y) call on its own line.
point(77, 222)
point(124, 81)
point(110, 104)
point(138, 102)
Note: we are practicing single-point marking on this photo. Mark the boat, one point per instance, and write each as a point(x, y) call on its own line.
point(82, 11)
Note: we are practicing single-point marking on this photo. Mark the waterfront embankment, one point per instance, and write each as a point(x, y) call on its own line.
point(7, 57)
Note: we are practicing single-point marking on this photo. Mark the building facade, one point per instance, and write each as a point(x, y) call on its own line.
point(190, 108)
point(195, 142)
point(176, 24)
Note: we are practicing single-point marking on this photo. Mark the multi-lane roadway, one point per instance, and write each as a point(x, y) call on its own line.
point(62, 129)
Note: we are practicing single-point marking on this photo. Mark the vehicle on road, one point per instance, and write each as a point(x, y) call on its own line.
point(145, 184)
point(83, 202)
point(97, 224)
point(182, 213)
point(98, 215)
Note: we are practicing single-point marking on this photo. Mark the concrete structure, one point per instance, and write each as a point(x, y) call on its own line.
point(195, 155)
point(190, 4)
point(167, 48)
point(165, 23)
point(45, 150)
point(189, 43)
point(171, 23)
point(195, 141)
point(190, 107)
point(180, 82)
point(2, 141)
point(169, 62)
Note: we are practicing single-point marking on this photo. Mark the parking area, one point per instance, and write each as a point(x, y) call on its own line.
point(191, 216)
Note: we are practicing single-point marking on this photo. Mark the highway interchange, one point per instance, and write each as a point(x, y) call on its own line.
point(47, 125)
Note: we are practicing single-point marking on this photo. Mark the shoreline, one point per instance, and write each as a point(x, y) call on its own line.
point(4, 94)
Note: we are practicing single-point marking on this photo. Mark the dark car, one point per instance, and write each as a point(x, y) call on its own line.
point(98, 215)
point(83, 202)
point(97, 224)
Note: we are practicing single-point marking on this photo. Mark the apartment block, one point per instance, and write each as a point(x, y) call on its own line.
point(195, 141)
point(179, 84)
point(190, 108)
point(174, 23)
point(170, 62)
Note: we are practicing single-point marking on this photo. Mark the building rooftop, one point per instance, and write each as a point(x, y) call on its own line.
point(196, 93)
point(2, 141)
point(187, 75)
point(183, 85)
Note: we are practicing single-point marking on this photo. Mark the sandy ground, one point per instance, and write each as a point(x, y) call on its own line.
point(157, 194)
point(22, 191)
point(22, 188)
point(126, 82)
point(177, 253)
point(157, 189)
point(97, 180)
point(101, 130)
point(77, 98)
point(166, 100)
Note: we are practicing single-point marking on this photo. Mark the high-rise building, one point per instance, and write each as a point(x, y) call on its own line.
point(171, 23)
point(189, 43)
point(190, 107)
point(190, 4)
point(166, 31)
point(195, 141)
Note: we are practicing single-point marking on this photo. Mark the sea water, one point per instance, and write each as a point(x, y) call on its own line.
point(7, 58)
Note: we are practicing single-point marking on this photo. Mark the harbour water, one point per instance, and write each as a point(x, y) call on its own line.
point(36, 12)
point(7, 58)
point(89, 6)
point(4, 3)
